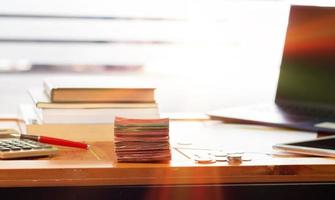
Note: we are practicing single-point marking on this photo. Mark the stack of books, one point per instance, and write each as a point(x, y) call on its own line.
point(142, 140)
point(91, 101)
point(84, 109)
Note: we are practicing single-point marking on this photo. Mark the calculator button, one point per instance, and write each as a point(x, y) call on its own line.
point(26, 147)
point(31, 142)
point(4, 149)
point(37, 147)
point(15, 148)
point(33, 146)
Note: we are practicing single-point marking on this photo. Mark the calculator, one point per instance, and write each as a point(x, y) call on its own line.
point(11, 148)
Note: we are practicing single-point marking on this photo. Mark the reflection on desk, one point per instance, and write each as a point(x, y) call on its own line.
point(97, 166)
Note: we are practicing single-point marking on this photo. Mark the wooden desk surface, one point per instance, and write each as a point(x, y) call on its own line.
point(97, 166)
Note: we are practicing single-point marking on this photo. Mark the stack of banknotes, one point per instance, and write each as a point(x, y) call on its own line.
point(142, 140)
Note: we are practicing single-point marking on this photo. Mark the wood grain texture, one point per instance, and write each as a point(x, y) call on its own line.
point(97, 166)
point(80, 167)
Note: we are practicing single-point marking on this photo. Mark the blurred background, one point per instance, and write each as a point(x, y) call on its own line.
point(201, 54)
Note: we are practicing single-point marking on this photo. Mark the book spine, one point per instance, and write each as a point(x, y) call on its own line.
point(94, 116)
point(78, 132)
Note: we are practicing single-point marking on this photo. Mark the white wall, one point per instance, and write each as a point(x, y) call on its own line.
point(217, 53)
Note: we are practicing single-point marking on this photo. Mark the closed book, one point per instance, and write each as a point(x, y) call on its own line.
point(88, 113)
point(42, 101)
point(97, 90)
point(92, 116)
point(77, 132)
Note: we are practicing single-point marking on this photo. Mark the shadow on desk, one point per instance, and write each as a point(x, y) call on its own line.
point(210, 192)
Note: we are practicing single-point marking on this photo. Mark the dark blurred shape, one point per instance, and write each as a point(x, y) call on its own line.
point(308, 64)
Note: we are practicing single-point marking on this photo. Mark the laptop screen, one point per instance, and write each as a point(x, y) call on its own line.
point(307, 75)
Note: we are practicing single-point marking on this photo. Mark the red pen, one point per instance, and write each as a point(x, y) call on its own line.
point(55, 141)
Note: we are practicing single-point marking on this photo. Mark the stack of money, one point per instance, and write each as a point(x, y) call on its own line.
point(142, 140)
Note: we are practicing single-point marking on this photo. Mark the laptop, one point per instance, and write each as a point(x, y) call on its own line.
point(305, 97)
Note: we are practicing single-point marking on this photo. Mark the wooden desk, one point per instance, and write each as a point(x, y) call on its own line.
point(97, 166)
